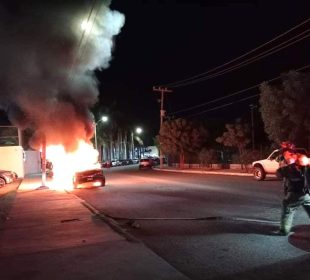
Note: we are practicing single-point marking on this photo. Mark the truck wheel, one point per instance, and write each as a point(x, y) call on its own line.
point(259, 173)
point(2, 182)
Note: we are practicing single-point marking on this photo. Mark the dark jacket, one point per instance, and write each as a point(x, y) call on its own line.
point(295, 178)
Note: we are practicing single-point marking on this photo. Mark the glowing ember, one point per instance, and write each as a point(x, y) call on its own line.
point(66, 164)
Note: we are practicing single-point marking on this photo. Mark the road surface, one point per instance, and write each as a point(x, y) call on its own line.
point(206, 226)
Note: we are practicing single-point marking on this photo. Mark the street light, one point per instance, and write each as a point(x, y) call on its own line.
point(102, 119)
point(138, 130)
point(86, 26)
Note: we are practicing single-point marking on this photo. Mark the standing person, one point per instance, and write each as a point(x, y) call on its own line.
point(287, 153)
point(296, 180)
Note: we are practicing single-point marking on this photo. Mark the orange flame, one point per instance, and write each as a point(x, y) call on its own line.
point(299, 159)
point(65, 164)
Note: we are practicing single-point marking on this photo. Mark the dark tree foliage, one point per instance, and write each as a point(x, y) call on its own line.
point(235, 136)
point(285, 109)
point(208, 157)
point(182, 137)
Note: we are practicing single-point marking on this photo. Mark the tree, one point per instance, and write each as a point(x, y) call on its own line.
point(207, 156)
point(285, 109)
point(181, 137)
point(235, 136)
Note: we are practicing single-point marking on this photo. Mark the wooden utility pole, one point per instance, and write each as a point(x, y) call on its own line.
point(162, 114)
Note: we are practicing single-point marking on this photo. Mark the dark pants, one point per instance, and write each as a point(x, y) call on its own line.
point(290, 203)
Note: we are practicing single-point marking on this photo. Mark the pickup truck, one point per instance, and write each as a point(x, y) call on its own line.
point(270, 165)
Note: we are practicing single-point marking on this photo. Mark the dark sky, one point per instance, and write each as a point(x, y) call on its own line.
point(167, 41)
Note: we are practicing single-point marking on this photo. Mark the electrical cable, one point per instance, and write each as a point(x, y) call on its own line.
point(246, 62)
point(81, 39)
point(91, 28)
point(232, 94)
point(172, 84)
point(224, 105)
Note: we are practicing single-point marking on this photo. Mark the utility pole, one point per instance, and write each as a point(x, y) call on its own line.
point(43, 164)
point(162, 114)
point(252, 107)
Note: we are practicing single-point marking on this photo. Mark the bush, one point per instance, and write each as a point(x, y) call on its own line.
point(207, 157)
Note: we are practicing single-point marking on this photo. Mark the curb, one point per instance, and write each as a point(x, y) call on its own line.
point(205, 172)
point(109, 221)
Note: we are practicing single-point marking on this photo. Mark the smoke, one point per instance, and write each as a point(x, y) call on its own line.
point(48, 53)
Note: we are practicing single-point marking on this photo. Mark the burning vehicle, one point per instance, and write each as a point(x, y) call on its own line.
point(57, 85)
point(89, 178)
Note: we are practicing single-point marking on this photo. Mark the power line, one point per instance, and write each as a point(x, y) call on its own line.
point(224, 105)
point(79, 54)
point(230, 95)
point(174, 84)
point(246, 62)
point(214, 100)
point(91, 28)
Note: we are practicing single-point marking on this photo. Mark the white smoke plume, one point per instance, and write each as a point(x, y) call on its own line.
point(48, 52)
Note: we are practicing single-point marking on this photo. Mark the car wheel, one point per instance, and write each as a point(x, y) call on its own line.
point(2, 182)
point(259, 173)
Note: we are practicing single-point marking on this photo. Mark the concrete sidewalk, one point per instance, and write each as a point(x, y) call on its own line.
point(52, 235)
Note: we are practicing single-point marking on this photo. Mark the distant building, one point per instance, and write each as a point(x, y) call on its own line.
point(151, 151)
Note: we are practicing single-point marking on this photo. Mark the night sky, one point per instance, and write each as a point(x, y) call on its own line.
point(168, 41)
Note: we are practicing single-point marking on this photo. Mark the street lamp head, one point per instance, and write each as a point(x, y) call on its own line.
point(86, 26)
point(138, 130)
point(104, 118)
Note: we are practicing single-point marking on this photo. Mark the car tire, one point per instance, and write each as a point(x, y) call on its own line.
point(2, 182)
point(259, 173)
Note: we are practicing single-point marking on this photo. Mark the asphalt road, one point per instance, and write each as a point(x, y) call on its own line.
point(206, 226)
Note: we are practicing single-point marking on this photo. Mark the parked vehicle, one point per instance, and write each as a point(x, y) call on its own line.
point(146, 163)
point(106, 164)
point(7, 177)
point(270, 165)
point(125, 161)
point(89, 178)
point(115, 162)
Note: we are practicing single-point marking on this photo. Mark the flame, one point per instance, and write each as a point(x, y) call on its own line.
point(65, 164)
point(299, 159)
point(290, 157)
